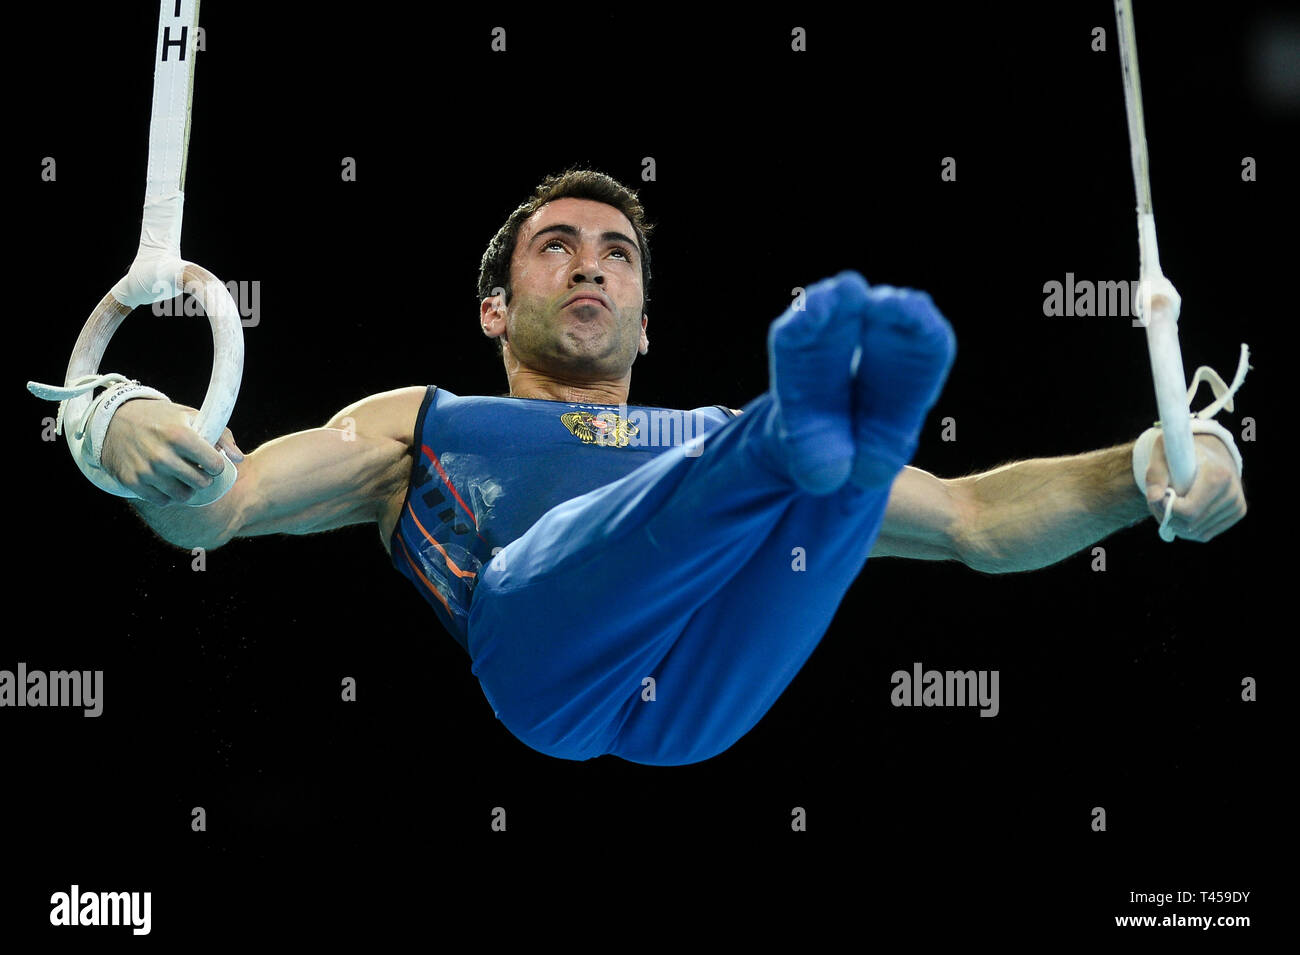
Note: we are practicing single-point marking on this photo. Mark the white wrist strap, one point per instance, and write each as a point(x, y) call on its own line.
point(86, 435)
point(1201, 424)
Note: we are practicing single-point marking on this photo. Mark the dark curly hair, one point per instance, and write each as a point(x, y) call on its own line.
point(494, 270)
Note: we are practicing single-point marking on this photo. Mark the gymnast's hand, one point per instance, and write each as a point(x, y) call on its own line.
point(1216, 499)
point(151, 449)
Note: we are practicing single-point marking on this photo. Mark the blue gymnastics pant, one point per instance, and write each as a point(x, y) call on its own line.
point(684, 572)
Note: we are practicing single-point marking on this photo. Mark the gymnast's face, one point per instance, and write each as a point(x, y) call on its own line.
point(571, 247)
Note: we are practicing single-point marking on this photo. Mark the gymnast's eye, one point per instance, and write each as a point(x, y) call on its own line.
point(627, 255)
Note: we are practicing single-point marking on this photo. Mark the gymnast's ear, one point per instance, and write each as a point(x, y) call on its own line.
point(492, 316)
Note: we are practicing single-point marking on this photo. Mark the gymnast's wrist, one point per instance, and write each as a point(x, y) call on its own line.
point(1144, 446)
point(106, 406)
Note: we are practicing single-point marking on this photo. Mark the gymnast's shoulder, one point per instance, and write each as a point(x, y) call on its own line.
point(388, 414)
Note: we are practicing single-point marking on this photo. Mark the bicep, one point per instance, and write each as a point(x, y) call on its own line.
point(317, 480)
point(324, 478)
point(923, 519)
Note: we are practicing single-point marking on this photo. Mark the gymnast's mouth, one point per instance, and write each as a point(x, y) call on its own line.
point(588, 298)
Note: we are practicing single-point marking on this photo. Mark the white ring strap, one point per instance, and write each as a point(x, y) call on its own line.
point(157, 273)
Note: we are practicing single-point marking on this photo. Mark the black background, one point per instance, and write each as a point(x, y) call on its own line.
point(774, 169)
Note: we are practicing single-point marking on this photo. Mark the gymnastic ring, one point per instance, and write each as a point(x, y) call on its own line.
point(227, 364)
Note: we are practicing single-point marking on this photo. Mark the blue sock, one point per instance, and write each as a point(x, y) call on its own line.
point(810, 356)
point(907, 350)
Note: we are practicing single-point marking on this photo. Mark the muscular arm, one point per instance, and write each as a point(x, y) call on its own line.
point(1018, 517)
point(306, 482)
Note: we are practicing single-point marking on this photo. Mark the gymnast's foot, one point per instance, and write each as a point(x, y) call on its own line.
point(907, 350)
point(810, 355)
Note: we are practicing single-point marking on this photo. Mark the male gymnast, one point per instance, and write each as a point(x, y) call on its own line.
point(500, 509)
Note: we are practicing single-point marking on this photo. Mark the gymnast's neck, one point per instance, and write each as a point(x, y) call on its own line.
point(528, 383)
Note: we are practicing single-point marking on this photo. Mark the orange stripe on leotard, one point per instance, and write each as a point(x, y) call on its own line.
point(419, 574)
point(429, 537)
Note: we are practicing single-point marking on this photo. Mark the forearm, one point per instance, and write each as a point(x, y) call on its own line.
point(301, 483)
point(1034, 513)
point(208, 527)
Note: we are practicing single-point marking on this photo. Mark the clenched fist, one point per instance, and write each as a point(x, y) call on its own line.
point(1215, 501)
